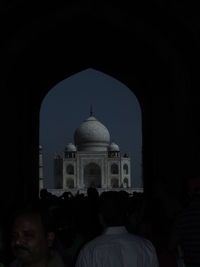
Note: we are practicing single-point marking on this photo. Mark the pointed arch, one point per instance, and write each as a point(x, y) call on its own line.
point(92, 175)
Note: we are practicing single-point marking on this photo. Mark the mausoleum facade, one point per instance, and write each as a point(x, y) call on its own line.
point(92, 160)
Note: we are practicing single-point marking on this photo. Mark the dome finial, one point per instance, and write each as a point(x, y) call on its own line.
point(91, 110)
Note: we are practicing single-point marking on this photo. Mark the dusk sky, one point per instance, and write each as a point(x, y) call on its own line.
point(68, 104)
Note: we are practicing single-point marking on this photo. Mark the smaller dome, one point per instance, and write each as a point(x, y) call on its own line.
point(113, 147)
point(70, 148)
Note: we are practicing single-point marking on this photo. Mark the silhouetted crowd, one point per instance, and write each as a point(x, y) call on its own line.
point(110, 229)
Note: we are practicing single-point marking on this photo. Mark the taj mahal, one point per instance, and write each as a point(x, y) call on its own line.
point(92, 161)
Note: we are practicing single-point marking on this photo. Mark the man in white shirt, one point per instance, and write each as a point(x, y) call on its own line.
point(116, 247)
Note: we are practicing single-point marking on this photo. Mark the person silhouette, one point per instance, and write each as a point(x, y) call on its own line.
point(116, 247)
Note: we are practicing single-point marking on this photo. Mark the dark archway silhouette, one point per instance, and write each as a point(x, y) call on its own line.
point(158, 60)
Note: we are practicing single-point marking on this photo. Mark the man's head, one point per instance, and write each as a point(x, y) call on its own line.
point(31, 237)
point(112, 208)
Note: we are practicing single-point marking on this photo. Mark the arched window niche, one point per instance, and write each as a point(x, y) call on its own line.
point(114, 169)
point(70, 169)
point(73, 100)
point(125, 168)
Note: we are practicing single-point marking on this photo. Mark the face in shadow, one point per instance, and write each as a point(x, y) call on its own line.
point(30, 243)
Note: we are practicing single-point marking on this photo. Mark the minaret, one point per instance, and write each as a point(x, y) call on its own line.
point(41, 178)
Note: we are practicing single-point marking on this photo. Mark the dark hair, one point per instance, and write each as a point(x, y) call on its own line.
point(113, 207)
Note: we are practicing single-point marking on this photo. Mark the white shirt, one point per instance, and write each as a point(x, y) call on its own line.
point(118, 248)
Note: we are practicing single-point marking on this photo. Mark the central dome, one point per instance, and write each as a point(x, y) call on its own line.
point(92, 135)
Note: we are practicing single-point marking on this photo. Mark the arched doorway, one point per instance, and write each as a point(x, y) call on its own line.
point(97, 85)
point(70, 183)
point(44, 63)
point(92, 175)
point(114, 183)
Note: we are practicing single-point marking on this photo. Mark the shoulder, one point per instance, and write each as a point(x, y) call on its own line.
point(89, 246)
point(85, 256)
point(142, 243)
